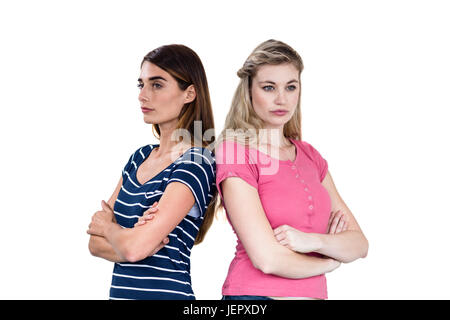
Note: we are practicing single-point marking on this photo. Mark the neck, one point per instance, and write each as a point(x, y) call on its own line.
point(274, 137)
point(166, 143)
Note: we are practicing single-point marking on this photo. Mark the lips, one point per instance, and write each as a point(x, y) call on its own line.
point(279, 112)
point(145, 110)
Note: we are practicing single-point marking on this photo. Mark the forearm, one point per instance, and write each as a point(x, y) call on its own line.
point(129, 243)
point(345, 246)
point(286, 263)
point(119, 240)
point(100, 247)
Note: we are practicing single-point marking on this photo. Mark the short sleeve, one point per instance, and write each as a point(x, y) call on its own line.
point(197, 170)
point(135, 160)
point(319, 161)
point(233, 160)
point(129, 167)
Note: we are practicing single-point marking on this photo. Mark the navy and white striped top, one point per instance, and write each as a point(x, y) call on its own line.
point(166, 274)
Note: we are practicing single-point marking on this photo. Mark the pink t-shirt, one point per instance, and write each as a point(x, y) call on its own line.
point(291, 193)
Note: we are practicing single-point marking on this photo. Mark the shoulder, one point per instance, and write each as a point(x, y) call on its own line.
point(310, 151)
point(232, 152)
point(226, 145)
point(196, 160)
point(143, 151)
point(202, 156)
point(315, 157)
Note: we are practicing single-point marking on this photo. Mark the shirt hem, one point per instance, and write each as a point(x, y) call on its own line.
point(270, 292)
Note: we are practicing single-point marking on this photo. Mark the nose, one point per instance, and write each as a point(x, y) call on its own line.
point(280, 98)
point(143, 97)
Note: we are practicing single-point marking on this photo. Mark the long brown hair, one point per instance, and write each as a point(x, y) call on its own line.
point(185, 66)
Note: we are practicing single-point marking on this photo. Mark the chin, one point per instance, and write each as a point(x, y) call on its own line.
point(149, 120)
point(276, 124)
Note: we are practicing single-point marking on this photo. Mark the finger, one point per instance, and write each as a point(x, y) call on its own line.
point(330, 223)
point(151, 210)
point(333, 213)
point(92, 232)
point(149, 216)
point(281, 228)
point(337, 219)
point(106, 207)
point(345, 226)
point(280, 236)
point(277, 231)
point(153, 206)
point(159, 247)
point(140, 223)
point(340, 225)
point(335, 222)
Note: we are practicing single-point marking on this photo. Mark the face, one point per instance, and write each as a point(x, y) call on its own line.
point(160, 97)
point(275, 92)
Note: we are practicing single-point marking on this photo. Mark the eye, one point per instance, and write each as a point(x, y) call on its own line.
point(156, 85)
point(291, 88)
point(268, 88)
point(140, 85)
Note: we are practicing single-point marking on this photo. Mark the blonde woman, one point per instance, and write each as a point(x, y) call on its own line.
point(291, 224)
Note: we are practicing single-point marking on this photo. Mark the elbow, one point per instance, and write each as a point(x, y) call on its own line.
point(133, 254)
point(263, 264)
point(268, 260)
point(361, 253)
point(134, 249)
point(365, 249)
point(92, 247)
point(265, 267)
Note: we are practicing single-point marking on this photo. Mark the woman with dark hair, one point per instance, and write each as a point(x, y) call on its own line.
point(175, 177)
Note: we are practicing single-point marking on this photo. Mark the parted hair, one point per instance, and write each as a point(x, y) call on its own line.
point(185, 66)
point(242, 116)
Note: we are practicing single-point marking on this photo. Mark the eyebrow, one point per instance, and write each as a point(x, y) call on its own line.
point(153, 78)
point(271, 82)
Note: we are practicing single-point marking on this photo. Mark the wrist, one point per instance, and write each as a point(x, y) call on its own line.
point(318, 241)
point(331, 264)
point(109, 230)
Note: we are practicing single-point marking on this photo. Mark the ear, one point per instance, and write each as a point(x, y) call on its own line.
point(190, 94)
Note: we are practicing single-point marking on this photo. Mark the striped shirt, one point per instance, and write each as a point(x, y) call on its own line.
point(166, 274)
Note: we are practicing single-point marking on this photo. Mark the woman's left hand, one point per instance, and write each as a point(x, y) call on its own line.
point(296, 240)
point(101, 220)
point(337, 223)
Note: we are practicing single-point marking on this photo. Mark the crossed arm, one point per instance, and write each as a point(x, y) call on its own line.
point(281, 251)
point(345, 246)
point(112, 242)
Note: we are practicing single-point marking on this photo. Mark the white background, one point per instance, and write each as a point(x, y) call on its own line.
point(375, 104)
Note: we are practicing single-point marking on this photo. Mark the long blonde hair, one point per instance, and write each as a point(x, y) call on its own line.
point(242, 122)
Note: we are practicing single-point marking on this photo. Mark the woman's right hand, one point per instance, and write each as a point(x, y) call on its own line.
point(148, 215)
